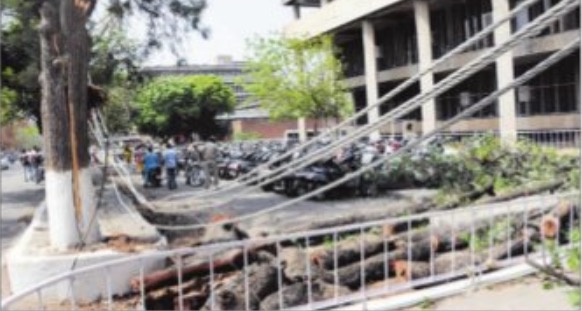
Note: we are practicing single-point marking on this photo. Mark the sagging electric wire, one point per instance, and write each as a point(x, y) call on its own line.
point(248, 178)
point(568, 5)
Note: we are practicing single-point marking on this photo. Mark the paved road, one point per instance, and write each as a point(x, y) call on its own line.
point(18, 202)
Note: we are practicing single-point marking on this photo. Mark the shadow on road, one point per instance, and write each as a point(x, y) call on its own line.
point(25, 195)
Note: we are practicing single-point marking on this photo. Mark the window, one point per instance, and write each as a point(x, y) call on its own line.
point(399, 99)
point(397, 44)
point(553, 91)
point(569, 21)
point(468, 93)
point(352, 56)
point(457, 21)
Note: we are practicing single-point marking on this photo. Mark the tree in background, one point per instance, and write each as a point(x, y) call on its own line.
point(181, 105)
point(296, 78)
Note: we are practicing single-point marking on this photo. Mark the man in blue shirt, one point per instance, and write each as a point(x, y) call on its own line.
point(151, 164)
point(171, 163)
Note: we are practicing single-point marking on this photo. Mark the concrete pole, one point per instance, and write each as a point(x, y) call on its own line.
point(297, 10)
point(370, 71)
point(301, 129)
point(424, 45)
point(505, 75)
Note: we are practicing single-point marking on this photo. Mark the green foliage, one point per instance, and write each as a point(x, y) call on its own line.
point(28, 137)
point(168, 22)
point(182, 105)
point(8, 98)
point(573, 262)
point(246, 136)
point(426, 304)
point(294, 78)
point(119, 112)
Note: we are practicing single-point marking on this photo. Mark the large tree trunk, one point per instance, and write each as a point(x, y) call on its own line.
point(63, 78)
point(74, 15)
point(57, 145)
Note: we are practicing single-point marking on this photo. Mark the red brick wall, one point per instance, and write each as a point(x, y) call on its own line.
point(275, 129)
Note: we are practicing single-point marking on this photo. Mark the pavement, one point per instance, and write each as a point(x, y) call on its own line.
point(18, 203)
point(250, 201)
point(523, 294)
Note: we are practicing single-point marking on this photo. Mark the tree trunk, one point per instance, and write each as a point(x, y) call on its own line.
point(74, 15)
point(57, 145)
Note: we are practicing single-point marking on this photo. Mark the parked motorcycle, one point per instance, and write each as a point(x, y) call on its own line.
point(195, 174)
point(153, 178)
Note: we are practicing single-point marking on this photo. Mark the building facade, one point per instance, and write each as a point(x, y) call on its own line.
point(384, 42)
point(224, 67)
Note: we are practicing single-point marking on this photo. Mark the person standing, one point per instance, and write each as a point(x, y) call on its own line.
point(139, 154)
point(192, 156)
point(151, 165)
point(26, 165)
point(171, 163)
point(209, 157)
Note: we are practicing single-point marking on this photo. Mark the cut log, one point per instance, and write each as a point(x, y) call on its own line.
point(296, 295)
point(413, 208)
point(374, 267)
point(527, 190)
point(262, 281)
point(191, 301)
point(230, 261)
point(293, 262)
point(461, 261)
point(348, 251)
point(552, 223)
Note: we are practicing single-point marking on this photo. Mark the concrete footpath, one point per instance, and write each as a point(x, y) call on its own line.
point(526, 293)
point(29, 258)
point(19, 200)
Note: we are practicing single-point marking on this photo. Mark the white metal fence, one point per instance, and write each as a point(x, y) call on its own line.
point(372, 259)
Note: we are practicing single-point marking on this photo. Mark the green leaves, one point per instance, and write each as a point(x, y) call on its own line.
point(294, 78)
point(183, 104)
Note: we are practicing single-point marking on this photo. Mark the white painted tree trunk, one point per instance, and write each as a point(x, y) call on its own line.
point(63, 229)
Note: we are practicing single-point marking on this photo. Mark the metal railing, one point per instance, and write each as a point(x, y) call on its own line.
point(333, 266)
point(559, 139)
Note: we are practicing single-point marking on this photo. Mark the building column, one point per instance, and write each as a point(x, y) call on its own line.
point(370, 72)
point(504, 68)
point(424, 45)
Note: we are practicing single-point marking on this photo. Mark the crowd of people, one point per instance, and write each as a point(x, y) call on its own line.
point(150, 162)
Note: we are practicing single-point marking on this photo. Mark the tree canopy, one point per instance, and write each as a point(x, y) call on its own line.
point(294, 78)
point(170, 106)
point(168, 21)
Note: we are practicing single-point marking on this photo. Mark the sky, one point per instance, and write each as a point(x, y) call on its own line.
point(231, 22)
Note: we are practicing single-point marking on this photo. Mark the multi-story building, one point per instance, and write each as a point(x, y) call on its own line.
point(225, 68)
point(385, 42)
point(246, 118)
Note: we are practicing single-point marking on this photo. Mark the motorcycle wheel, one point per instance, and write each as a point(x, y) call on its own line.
point(197, 177)
point(291, 188)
